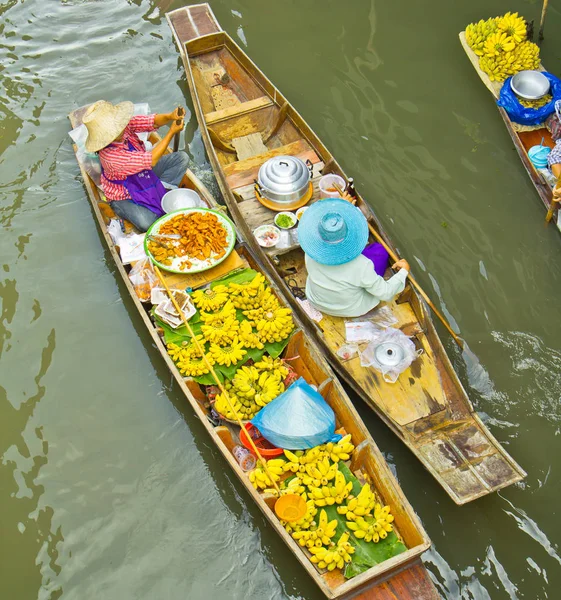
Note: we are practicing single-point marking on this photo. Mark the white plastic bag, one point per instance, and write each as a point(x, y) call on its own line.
point(391, 352)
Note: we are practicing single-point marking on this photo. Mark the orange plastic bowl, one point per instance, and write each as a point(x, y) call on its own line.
point(291, 507)
point(266, 449)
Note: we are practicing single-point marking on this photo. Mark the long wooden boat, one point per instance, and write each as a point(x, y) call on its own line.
point(427, 408)
point(403, 575)
point(523, 137)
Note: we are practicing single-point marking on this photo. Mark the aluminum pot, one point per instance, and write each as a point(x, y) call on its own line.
point(284, 179)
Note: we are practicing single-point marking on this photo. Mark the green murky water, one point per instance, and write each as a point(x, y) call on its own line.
point(109, 488)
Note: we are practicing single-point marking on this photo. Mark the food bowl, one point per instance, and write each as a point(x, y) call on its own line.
point(286, 220)
point(301, 211)
point(266, 449)
point(530, 85)
point(181, 198)
point(267, 236)
point(327, 188)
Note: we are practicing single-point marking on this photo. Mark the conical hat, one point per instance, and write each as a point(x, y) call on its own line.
point(105, 122)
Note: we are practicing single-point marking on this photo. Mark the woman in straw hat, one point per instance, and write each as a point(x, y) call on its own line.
point(132, 176)
point(345, 278)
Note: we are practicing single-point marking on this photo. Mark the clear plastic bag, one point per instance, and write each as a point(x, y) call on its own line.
point(298, 419)
point(390, 353)
point(383, 317)
point(88, 160)
point(143, 278)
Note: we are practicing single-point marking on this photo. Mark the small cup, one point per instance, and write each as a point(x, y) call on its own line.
point(245, 459)
point(327, 188)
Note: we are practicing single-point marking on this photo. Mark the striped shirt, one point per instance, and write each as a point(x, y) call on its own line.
point(119, 162)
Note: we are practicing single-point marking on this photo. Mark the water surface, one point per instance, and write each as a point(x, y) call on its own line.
point(109, 487)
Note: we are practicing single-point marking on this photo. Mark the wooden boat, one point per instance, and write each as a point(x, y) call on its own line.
point(523, 137)
point(427, 408)
point(402, 576)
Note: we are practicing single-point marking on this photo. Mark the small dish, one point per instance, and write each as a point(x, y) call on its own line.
point(286, 220)
point(301, 211)
point(267, 236)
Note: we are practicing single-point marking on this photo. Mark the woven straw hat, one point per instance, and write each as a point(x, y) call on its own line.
point(105, 122)
point(333, 231)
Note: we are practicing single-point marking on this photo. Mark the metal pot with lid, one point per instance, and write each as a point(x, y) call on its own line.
point(284, 183)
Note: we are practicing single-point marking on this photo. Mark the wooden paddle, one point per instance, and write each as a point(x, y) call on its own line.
point(395, 258)
point(542, 20)
point(297, 501)
point(181, 112)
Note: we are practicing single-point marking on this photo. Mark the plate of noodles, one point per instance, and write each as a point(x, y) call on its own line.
point(190, 240)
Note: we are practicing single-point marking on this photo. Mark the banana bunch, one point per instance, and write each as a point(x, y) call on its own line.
point(275, 325)
point(513, 25)
point(526, 56)
point(361, 506)
point(375, 528)
point(210, 299)
point(333, 557)
point(248, 337)
point(251, 388)
point(297, 461)
point(477, 33)
point(259, 386)
point(248, 295)
point(188, 359)
point(227, 353)
point(315, 538)
point(259, 478)
point(328, 495)
point(319, 473)
point(266, 303)
point(226, 312)
point(268, 363)
point(294, 486)
point(341, 450)
point(536, 103)
point(221, 406)
point(498, 43)
point(221, 331)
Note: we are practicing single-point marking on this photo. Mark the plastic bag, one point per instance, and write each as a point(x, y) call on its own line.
point(143, 279)
point(391, 353)
point(88, 160)
point(553, 122)
point(298, 419)
point(529, 116)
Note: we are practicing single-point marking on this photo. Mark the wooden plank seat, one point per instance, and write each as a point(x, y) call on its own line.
point(244, 172)
point(242, 108)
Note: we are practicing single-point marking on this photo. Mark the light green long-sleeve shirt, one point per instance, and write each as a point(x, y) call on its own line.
point(351, 289)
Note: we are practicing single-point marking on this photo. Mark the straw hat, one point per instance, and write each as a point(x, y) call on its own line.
point(105, 122)
point(333, 231)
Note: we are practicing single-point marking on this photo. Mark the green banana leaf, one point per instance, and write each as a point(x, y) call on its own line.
point(241, 276)
point(367, 554)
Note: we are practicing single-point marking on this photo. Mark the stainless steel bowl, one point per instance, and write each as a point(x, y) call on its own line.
point(530, 85)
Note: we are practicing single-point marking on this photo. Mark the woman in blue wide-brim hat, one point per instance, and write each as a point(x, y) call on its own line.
point(344, 276)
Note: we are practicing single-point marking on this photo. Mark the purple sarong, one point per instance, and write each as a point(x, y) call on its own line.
point(379, 256)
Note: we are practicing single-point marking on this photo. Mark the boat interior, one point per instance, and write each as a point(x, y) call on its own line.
point(249, 121)
point(367, 463)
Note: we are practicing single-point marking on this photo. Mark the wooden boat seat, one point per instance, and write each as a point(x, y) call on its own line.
point(244, 172)
point(241, 108)
point(417, 393)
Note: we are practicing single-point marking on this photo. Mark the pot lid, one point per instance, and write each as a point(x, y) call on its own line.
point(389, 354)
point(284, 174)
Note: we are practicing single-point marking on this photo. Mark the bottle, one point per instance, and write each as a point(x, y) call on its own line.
point(245, 459)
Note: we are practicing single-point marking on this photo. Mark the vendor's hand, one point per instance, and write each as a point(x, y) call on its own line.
point(175, 127)
point(178, 113)
point(401, 264)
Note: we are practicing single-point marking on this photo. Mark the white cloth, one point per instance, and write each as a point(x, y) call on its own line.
point(351, 289)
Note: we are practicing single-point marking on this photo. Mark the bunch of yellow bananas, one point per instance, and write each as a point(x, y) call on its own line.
point(188, 358)
point(222, 406)
point(360, 506)
point(513, 25)
point(210, 299)
point(259, 478)
point(249, 294)
point(316, 537)
point(536, 103)
point(334, 556)
point(221, 332)
point(327, 495)
point(252, 387)
point(227, 353)
point(275, 325)
point(341, 450)
point(375, 528)
point(248, 337)
point(226, 312)
point(477, 33)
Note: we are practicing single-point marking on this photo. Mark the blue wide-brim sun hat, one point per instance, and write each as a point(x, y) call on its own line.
point(333, 231)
